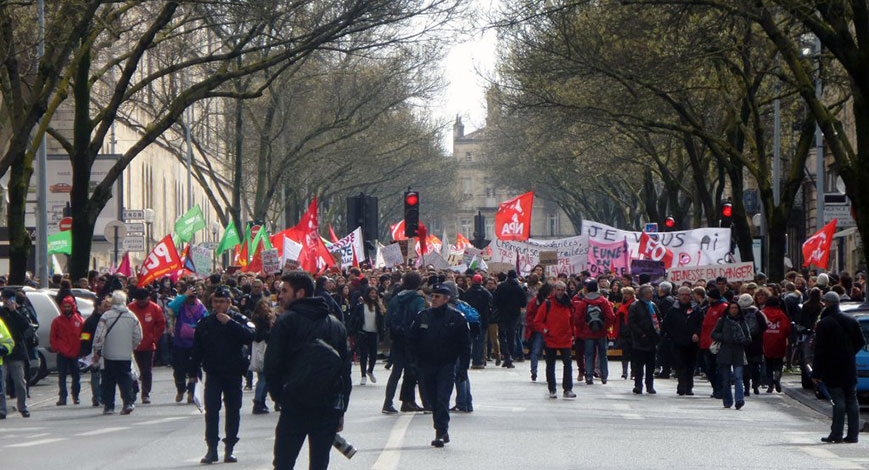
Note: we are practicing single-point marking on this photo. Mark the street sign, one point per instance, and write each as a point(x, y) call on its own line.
point(110, 231)
point(135, 214)
point(842, 212)
point(135, 227)
point(65, 224)
point(134, 244)
point(651, 227)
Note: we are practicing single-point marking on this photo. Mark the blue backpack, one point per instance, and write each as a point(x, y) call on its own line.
point(471, 314)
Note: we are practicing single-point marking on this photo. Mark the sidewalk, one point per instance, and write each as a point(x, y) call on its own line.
point(792, 387)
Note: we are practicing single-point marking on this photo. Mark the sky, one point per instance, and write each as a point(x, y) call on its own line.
point(465, 67)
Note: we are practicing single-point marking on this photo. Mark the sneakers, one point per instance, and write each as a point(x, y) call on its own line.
point(363, 381)
point(569, 394)
point(371, 377)
point(109, 411)
point(389, 410)
point(552, 394)
point(146, 400)
point(75, 401)
point(127, 409)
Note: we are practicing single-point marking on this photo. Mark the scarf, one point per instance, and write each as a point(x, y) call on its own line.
point(651, 308)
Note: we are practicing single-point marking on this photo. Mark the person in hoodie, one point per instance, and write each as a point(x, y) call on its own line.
point(593, 316)
point(481, 299)
point(717, 308)
point(775, 342)
point(66, 341)
point(756, 322)
point(188, 311)
point(118, 334)
point(554, 318)
point(400, 313)
point(684, 325)
point(733, 334)
point(620, 328)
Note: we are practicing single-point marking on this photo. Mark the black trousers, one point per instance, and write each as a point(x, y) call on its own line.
point(366, 346)
point(437, 383)
point(145, 362)
point(685, 360)
point(400, 363)
point(67, 366)
point(665, 355)
point(116, 374)
point(181, 360)
point(227, 387)
point(567, 373)
point(294, 426)
point(773, 369)
point(643, 365)
point(507, 337)
point(751, 375)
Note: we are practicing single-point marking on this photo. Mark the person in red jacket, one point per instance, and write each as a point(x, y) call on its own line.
point(533, 335)
point(555, 319)
point(153, 323)
point(717, 307)
point(66, 342)
point(775, 342)
point(593, 316)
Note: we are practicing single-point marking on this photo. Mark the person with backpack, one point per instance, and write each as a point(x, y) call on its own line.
point(401, 312)
point(440, 341)
point(593, 317)
point(117, 335)
point(307, 368)
point(219, 346)
point(554, 318)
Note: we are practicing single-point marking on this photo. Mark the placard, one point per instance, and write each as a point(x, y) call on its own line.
point(548, 258)
point(392, 255)
point(572, 254)
point(733, 272)
point(655, 269)
point(271, 261)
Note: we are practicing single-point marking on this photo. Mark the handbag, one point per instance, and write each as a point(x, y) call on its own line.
point(715, 347)
point(257, 356)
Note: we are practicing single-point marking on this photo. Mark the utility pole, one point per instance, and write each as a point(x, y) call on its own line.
point(819, 145)
point(42, 180)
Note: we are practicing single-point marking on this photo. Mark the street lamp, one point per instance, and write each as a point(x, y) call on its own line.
point(813, 49)
point(149, 219)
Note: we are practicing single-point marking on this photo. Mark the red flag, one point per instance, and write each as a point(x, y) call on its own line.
point(124, 268)
point(398, 231)
point(462, 242)
point(162, 260)
point(332, 234)
point(513, 219)
point(816, 250)
point(422, 238)
point(315, 257)
point(654, 250)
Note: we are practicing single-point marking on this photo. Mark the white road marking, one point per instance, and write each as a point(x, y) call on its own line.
point(621, 406)
point(2, 430)
point(36, 443)
point(161, 420)
point(42, 434)
point(391, 454)
point(97, 432)
point(631, 416)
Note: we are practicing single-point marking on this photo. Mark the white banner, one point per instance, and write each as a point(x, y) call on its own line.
point(292, 250)
point(271, 261)
point(572, 254)
point(733, 272)
point(691, 248)
point(201, 257)
point(347, 245)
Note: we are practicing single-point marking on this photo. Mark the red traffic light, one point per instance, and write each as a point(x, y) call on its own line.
point(670, 222)
point(727, 210)
point(412, 199)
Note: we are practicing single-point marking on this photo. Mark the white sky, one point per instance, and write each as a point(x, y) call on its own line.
point(462, 68)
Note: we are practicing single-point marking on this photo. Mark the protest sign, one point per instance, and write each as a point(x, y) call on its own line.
point(271, 261)
point(470, 254)
point(392, 255)
point(548, 258)
point(347, 246)
point(201, 257)
point(604, 258)
point(435, 260)
point(733, 272)
point(291, 252)
point(656, 270)
point(500, 267)
point(572, 254)
point(698, 247)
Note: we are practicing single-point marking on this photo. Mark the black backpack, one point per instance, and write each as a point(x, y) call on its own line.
point(317, 370)
point(594, 317)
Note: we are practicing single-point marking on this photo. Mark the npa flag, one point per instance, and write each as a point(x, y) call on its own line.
point(398, 231)
point(816, 250)
point(162, 260)
point(60, 242)
point(229, 239)
point(654, 250)
point(513, 219)
point(189, 223)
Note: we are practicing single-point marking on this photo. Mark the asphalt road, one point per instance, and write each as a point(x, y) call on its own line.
point(515, 426)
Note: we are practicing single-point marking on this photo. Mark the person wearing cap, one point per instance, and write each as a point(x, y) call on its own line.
point(66, 341)
point(218, 346)
point(837, 341)
point(118, 334)
point(440, 341)
point(480, 298)
point(153, 323)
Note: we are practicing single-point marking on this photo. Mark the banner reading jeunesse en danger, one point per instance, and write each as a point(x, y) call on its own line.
point(733, 272)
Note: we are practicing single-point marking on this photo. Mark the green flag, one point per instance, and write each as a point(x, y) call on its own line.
point(263, 235)
point(189, 223)
point(60, 242)
point(229, 238)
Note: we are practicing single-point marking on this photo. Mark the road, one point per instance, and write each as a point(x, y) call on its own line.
point(515, 426)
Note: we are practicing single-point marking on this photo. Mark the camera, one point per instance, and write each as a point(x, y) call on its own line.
point(346, 448)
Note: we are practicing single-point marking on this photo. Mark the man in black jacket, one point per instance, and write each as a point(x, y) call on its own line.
point(87, 345)
point(305, 318)
point(19, 327)
point(645, 331)
point(509, 299)
point(481, 299)
point(837, 341)
point(218, 345)
point(665, 302)
point(683, 325)
point(439, 339)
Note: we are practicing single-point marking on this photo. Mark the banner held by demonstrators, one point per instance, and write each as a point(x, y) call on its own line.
point(162, 261)
point(605, 258)
point(734, 272)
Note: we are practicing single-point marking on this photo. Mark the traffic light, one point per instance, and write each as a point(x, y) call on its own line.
point(670, 222)
point(411, 213)
point(726, 214)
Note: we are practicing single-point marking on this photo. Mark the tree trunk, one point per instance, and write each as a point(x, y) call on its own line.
point(235, 210)
point(19, 238)
point(741, 231)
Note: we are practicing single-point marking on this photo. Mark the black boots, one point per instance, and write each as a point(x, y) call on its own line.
point(210, 456)
point(227, 455)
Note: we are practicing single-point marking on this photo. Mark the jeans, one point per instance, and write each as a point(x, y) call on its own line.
point(145, 361)
point(712, 372)
point(507, 336)
point(15, 370)
point(227, 387)
point(116, 373)
point(725, 374)
point(261, 390)
point(478, 348)
point(366, 346)
point(591, 347)
point(519, 348)
point(536, 351)
point(464, 400)
point(67, 366)
point(438, 380)
point(579, 349)
point(293, 427)
point(96, 386)
point(567, 373)
point(400, 363)
point(493, 336)
point(845, 403)
point(643, 366)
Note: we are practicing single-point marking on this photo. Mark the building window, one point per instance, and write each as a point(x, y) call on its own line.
point(468, 157)
point(467, 227)
point(490, 192)
point(467, 186)
point(553, 225)
point(490, 229)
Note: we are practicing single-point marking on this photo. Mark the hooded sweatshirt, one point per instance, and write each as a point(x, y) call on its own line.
point(775, 338)
point(66, 332)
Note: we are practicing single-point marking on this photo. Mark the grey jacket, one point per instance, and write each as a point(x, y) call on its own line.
point(733, 335)
point(125, 335)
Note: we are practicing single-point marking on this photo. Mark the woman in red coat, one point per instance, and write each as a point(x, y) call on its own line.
point(775, 342)
point(555, 319)
point(533, 335)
